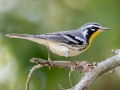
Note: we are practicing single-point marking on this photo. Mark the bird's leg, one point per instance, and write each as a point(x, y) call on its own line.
point(49, 56)
point(72, 62)
point(65, 53)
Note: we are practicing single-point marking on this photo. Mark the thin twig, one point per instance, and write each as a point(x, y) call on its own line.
point(80, 66)
point(30, 75)
point(70, 78)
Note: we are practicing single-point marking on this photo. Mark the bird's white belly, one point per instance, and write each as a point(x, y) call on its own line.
point(61, 50)
point(58, 48)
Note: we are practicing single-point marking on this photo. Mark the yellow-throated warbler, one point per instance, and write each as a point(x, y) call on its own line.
point(66, 43)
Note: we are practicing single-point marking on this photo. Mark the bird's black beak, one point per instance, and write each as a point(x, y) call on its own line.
point(104, 28)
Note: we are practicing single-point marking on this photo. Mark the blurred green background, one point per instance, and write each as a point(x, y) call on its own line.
point(45, 16)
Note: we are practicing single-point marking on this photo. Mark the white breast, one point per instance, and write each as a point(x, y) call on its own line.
point(62, 50)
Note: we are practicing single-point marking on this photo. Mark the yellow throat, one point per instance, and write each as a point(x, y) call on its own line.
point(92, 37)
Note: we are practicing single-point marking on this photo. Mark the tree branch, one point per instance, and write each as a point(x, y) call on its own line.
point(92, 71)
point(102, 68)
point(76, 65)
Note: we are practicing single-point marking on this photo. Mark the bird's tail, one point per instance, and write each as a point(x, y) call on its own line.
point(34, 38)
point(24, 36)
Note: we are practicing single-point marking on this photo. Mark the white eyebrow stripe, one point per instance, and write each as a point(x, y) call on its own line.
point(89, 26)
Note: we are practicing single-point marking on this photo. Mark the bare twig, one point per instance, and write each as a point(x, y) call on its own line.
point(30, 75)
point(70, 78)
point(92, 71)
point(80, 66)
point(102, 68)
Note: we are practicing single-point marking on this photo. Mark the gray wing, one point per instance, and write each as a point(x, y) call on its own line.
point(68, 37)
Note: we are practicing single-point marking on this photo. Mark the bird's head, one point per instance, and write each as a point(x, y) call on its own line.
point(91, 30)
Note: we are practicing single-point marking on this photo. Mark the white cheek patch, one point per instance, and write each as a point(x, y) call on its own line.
point(85, 33)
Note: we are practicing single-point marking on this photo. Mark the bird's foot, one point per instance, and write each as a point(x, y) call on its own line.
point(51, 63)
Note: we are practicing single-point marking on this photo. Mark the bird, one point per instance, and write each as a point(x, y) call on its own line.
point(66, 43)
